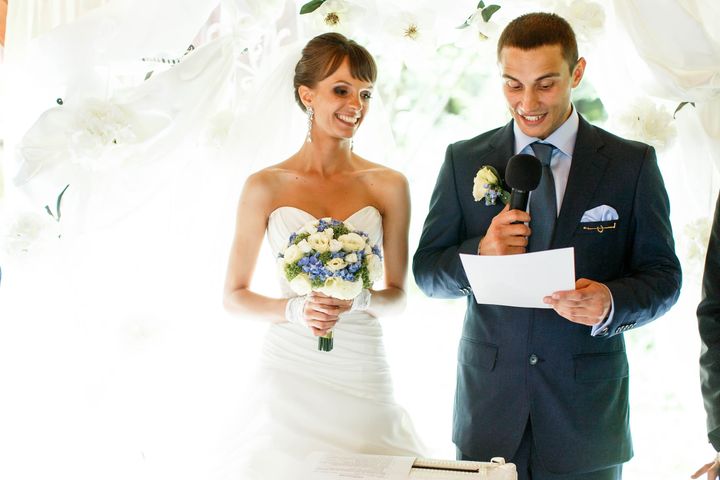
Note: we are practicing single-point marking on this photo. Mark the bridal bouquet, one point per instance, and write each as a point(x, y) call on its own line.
point(331, 257)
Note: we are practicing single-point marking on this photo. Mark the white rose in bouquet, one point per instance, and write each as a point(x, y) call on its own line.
point(374, 266)
point(336, 264)
point(352, 242)
point(341, 289)
point(319, 242)
point(301, 284)
point(304, 246)
point(293, 253)
point(335, 245)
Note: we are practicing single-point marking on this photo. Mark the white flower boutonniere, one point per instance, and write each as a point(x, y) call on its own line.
point(487, 186)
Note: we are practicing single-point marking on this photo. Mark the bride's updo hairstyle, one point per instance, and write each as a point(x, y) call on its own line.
point(324, 54)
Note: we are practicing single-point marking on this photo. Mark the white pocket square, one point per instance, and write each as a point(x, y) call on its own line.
point(603, 213)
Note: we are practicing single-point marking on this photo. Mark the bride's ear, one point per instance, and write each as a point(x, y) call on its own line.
point(306, 95)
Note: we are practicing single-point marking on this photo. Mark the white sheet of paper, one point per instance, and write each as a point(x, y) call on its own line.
point(341, 466)
point(520, 280)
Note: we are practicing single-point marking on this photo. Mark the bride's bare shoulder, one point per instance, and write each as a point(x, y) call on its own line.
point(269, 177)
point(382, 175)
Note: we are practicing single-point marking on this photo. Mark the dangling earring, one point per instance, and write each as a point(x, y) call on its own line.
point(310, 116)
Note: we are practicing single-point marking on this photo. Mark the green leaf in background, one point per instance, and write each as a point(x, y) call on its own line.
point(466, 24)
point(59, 199)
point(591, 108)
point(489, 11)
point(680, 107)
point(481, 4)
point(311, 6)
point(58, 213)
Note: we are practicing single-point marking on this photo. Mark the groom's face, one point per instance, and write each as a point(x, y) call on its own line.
point(537, 84)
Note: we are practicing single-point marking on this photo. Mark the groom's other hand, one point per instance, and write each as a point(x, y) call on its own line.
point(507, 235)
point(589, 304)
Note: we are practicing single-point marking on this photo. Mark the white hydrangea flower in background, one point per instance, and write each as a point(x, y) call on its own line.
point(694, 242)
point(342, 16)
point(27, 232)
point(648, 122)
point(410, 36)
point(476, 31)
point(587, 18)
point(97, 127)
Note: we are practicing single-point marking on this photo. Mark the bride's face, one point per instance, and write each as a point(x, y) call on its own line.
point(340, 102)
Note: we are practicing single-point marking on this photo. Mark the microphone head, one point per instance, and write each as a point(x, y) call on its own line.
point(523, 172)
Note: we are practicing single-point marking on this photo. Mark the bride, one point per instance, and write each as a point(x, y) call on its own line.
point(307, 400)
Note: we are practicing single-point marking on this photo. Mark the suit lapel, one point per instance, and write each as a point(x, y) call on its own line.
point(586, 173)
point(503, 143)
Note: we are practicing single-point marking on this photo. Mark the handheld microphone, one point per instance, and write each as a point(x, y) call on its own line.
point(522, 174)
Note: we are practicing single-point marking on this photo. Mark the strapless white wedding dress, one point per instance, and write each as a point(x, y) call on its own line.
point(306, 400)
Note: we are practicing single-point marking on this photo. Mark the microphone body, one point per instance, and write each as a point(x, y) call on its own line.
point(522, 174)
point(519, 199)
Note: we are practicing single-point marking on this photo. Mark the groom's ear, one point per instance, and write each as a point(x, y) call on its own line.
point(306, 95)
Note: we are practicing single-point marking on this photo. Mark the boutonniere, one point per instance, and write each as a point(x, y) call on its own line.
point(488, 186)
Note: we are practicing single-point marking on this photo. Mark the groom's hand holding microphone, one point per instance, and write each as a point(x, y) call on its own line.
point(508, 232)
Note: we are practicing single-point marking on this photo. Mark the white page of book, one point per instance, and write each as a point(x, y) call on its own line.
point(339, 466)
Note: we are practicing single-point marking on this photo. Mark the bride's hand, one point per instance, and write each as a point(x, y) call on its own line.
point(322, 312)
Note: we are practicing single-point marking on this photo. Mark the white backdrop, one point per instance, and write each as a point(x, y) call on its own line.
point(116, 359)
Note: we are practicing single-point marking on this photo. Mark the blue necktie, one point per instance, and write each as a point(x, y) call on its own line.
point(543, 204)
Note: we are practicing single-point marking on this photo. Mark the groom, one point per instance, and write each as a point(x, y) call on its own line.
point(548, 388)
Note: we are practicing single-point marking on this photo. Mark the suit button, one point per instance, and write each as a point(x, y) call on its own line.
point(533, 359)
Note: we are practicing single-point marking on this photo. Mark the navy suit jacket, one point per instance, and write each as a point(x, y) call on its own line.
point(515, 363)
point(708, 314)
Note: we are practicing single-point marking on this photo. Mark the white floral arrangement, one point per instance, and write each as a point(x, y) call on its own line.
point(648, 122)
point(27, 232)
point(97, 127)
point(488, 187)
point(331, 257)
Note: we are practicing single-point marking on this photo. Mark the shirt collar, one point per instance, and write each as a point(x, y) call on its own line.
point(563, 138)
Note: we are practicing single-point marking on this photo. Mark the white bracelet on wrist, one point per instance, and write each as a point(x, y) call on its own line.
point(295, 310)
point(362, 301)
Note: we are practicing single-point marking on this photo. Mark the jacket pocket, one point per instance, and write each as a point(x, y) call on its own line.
point(477, 354)
point(596, 367)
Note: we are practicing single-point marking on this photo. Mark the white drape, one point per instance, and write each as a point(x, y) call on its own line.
point(679, 41)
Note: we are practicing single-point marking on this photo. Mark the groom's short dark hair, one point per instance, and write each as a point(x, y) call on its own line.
point(534, 30)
